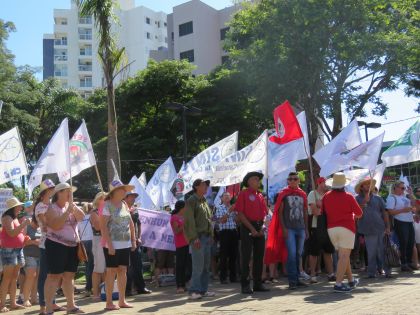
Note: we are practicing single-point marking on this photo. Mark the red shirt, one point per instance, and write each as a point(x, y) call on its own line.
point(252, 204)
point(179, 238)
point(341, 209)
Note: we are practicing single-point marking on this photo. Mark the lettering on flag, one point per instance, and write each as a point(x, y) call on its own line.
point(156, 231)
point(12, 157)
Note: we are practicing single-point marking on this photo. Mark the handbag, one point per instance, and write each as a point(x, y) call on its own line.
point(392, 254)
point(81, 250)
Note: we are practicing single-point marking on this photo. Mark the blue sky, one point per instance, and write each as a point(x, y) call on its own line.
point(33, 18)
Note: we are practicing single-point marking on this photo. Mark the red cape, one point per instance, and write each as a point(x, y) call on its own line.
point(275, 247)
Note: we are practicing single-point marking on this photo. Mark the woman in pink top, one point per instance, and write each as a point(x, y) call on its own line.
point(12, 240)
point(61, 246)
point(183, 257)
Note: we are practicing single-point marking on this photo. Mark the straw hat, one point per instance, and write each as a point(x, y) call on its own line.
point(13, 202)
point(363, 182)
point(338, 181)
point(63, 186)
point(115, 184)
point(46, 184)
point(99, 195)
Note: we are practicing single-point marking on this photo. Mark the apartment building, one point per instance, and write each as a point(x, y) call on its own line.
point(70, 52)
point(196, 32)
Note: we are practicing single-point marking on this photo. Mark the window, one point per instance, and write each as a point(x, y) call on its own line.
point(189, 55)
point(86, 50)
point(186, 28)
point(60, 70)
point(172, 36)
point(148, 35)
point(86, 82)
point(223, 32)
point(85, 33)
point(165, 24)
point(85, 20)
point(147, 20)
point(158, 24)
point(61, 41)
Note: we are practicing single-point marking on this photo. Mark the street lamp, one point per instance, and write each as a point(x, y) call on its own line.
point(186, 110)
point(372, 125)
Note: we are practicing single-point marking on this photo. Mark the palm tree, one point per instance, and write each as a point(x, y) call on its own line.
point(111, 58)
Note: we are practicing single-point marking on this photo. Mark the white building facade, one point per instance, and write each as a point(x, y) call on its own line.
point(70, 53)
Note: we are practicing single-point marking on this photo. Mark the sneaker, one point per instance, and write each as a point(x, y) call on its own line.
point(314, 280)
point(332, 278)
point(293, 286)
point(195, 296)
point(353, 284)
point(304, 276)
point(342, 288)
point(209, 294)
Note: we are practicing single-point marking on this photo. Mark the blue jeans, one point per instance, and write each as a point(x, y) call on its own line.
point(295, 241)
point(43, 271)
point(375, 250)
point(200, 266)
point(89, 265)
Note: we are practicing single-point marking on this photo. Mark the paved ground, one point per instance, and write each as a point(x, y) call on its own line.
point(400, 295)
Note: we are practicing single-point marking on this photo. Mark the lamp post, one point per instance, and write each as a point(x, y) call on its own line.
point(186, 110)
point(371, 125)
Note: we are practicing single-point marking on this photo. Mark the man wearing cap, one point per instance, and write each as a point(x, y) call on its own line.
point(292, 205)
point(198, 230)
point(135, 269)
point(372, 225)
point(318, 234)
point(341, 209)
point(252, 209)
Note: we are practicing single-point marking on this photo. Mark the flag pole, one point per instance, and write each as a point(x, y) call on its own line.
point(99, 178)
point(311, 170)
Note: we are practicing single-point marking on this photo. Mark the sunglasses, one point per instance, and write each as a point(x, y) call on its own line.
point(293, 179)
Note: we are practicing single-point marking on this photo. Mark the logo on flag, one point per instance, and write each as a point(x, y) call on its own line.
point(287, 125)
point(281, 131)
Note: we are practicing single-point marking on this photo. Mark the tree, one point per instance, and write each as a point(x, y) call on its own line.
point(111, 58)
point(324, 56)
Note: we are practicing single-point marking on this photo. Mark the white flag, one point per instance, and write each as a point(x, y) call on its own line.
point(12, 157)
point(160, 184)
point(355, 176)
point(218, 198)
point(302, 155)
point(201, 166)
point(365, 155)
point(406, 149)
point(142, 180)
point(404, 179)
point(81, 153)
point(54, 159)
point(346, 140)
point(233, 168)
point(143, 200)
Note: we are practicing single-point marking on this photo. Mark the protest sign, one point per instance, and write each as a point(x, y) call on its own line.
point(5, 193)
point(156, 231)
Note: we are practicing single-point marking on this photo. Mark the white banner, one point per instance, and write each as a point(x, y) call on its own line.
point(143, 200)
point(201, 165)
point(142, 180)
point(406, 149)
point(156, 231)
point(159, 186)
point(233, 169)
point(81, 153)
point(55, 158)
point(5, 193)
point(12, 157)
point(355, 176)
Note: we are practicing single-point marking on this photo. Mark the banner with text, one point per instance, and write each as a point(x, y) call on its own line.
point(12, 157)
point(156, 231)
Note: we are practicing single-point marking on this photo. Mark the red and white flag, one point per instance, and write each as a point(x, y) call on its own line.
point(287, 125)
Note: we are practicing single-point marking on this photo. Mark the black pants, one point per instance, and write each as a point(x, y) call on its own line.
point(183, 266)
point(405, 234)
point(135, 271)
point(256, 246)
point(228, 250)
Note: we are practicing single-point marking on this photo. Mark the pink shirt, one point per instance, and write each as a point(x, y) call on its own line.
point(12, 242)
point(179, 238)
point(68, 234)
point(41, 208)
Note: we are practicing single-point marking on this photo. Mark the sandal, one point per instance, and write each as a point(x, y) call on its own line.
point(17, 307)
point(75, 310)
point(59, 309)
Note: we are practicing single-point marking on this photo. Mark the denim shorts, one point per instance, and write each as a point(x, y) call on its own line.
point(31, 262)
point(12, 257)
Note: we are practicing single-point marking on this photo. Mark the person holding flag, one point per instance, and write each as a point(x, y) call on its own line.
point(252, 209)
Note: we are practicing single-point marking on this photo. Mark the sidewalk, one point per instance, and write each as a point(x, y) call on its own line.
point(399, 295)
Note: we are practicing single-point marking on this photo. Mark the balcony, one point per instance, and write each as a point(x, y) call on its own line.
point(85, 67)
point(60, 42)
point(85, 84)
point(86, 20)
point(60, 58)
point(85, 52)
point(60, 73)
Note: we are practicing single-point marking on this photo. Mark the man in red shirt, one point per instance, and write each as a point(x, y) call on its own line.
point(341, 209)
point(252, 209)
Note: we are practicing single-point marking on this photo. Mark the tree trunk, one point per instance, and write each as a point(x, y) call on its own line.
point(113, 151)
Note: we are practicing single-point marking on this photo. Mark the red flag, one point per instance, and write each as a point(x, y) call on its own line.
point(287, 125)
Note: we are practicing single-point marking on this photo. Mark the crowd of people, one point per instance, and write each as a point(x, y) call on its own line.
point(242, 238)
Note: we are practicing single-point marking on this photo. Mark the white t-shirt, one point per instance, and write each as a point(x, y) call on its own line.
point(85, 229)
point(394, 202)
point(118, 225)
point(312, 200)
point(41, 208)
